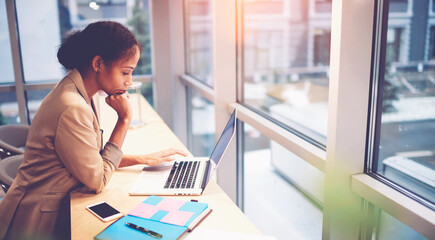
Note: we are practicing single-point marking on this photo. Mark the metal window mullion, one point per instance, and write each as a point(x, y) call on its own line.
point(143, 78)
point(240, 82)
point(17, 61)
point(203, 89)
point(401, 207)
point(7, 88)
point(303, 149)
point(187, 50)
point(38, 86)
point(240, 57)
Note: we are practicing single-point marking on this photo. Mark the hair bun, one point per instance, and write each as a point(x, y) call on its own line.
point(69, 52)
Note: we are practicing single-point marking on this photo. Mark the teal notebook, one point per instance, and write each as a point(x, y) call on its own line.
point(119, 230)
point(167, 216)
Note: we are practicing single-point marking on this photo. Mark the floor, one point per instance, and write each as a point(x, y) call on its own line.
point(276, 207)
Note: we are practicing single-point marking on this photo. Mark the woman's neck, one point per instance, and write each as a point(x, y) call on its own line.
point(89, 82)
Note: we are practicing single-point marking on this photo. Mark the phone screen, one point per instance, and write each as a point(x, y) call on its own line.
point(104, 210)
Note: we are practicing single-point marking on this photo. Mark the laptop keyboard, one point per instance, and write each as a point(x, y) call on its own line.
point(182, 175)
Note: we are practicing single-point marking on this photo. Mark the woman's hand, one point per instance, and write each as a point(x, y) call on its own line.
point(121, 104)
point(152, 159)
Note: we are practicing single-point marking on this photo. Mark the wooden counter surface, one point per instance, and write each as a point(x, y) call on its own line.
point(154, 136)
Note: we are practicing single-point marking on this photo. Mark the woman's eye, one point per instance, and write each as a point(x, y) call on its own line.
point(125, 73)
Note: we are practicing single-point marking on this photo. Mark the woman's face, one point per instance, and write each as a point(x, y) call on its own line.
point(114, 79)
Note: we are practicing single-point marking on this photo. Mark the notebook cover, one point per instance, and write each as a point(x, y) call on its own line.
point(119, 230)
point(169, 210)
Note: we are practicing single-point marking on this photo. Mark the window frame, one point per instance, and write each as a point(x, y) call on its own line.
point(341, 173)
point(19, 86)
point(376, 99)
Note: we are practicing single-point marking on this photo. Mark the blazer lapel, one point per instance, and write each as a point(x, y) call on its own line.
point(76, 78)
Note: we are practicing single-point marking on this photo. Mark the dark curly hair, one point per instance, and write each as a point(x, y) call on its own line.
point(110, 40)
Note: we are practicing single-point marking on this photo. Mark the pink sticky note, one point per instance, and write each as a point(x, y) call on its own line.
point(179, 218)
point(144, 210)
point(169, 205)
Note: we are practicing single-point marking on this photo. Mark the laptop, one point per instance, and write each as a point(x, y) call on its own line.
point(184, 176)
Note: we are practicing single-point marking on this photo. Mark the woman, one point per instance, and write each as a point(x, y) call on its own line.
point(64, 149)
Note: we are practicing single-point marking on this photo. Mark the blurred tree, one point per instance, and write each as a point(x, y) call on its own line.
point(139, 24)
point(2, 119)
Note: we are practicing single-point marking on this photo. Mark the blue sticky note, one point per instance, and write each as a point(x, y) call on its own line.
point(153, 200)
point(159, 215)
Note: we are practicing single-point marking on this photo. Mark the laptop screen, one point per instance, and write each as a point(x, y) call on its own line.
point(220, 147)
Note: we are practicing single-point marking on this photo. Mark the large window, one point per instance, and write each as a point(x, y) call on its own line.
point(286, 63)
point(8, 100)
point(199, 41)
point(6, 68)
point(282, 194)
point(405, 126)
point(201, 120)
point(40, 28)
point(389, 228)
point(299, 68)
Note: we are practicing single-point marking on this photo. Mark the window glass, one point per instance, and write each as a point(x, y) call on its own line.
point(198, 22)
point(389, 228)
point(405, 136)
point(201, 122)
point(286, 63)
point(8, 101)
point(90, 9)
point(147, 92)
point(42, 25)
point(41, 31)
point(34, 99)
point(8, 108)
point(323, 6)
point(6, 68)
point(398, 6)
point(281, 192)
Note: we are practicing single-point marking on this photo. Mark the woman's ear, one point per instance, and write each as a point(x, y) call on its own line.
point(96, 63)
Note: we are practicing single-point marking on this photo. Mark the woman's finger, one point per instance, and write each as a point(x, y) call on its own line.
point(173, 151)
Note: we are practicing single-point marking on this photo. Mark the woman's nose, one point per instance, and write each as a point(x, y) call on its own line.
point(129, 82)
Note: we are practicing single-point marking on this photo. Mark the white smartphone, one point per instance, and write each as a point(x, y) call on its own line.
point(104, 211)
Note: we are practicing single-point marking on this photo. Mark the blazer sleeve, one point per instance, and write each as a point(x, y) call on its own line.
point(77, 147)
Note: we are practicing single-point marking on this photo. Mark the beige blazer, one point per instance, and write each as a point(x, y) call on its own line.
point(63, 153)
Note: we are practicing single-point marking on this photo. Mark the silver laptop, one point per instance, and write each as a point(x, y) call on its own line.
point(184, 176)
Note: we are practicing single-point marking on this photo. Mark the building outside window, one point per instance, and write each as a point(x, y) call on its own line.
point(199, 41)
point(285, 75)
point(286, 64)
point(404, 148)
point(201, 121)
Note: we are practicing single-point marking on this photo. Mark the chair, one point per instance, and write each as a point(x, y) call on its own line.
point(8, 170)
point(13, 139)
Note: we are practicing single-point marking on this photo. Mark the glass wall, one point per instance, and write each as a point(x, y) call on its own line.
point(34, 99)
point(199, 40)
point(201, 121)
point(6, 67)
point(8, 108)
point(286, 45)
point(389, 228)
point(40, 37)
point(406, 108)
point(41, 27)
point(282, 193)
point(8, 100)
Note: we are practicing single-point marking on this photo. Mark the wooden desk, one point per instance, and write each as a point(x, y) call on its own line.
point(152, 137)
